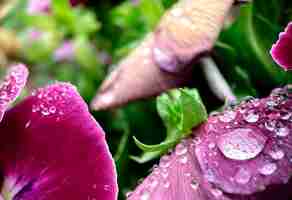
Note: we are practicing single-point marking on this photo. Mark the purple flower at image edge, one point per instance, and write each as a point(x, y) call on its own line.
point(243, 153)
point(51, 147)
point(282, 50)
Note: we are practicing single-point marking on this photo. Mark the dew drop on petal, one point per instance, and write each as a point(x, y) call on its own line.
point(251, 117)
point(181, 149)
point(282, 132)
point(164, 161)
point(145, 196)
point(277, 154)
point(241, 144)
point(268, 169)
point(194, 185)
point(243, 176)
point(270, 125)
point(228, 116)
point(217, 193)
point(183, 160)
point(166, 185)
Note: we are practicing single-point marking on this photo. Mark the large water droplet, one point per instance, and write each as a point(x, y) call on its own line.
point(242, 143)
point(268, 169)
point(242, 176)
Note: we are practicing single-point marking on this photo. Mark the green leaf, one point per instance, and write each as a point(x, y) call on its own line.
point(181, 110)
point(151, 148)
point(151, 10)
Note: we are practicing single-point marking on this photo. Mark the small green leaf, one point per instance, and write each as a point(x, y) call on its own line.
point(181, 110)
point(158, 147)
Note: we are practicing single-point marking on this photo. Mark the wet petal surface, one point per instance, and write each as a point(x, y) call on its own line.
point(243, 153)
point(12, 85)
point(53, 149)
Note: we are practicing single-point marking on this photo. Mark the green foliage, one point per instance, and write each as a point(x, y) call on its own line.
point(180, 110)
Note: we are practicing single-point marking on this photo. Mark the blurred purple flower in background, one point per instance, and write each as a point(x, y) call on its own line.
point(51, 147)
point(38, 6)
point(66, 52)
point(282, 50)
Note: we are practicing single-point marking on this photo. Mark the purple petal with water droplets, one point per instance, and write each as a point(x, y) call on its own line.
point(235, 155)
point(12, 85)
point(281, 50)
point(53, 149)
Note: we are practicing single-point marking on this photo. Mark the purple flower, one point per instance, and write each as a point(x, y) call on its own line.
point(281, 51)
point(243, 153)
point(65, 52)
point(51, 147)
point(38, 6)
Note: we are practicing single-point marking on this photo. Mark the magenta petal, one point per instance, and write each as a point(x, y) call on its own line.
point(282, 50)
point(12, 85)
point(240, 154)
point(53, 149)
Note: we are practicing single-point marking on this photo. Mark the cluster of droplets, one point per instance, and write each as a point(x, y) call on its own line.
point(161, 179)
point(13, 83)
point(52, 101)
point(254, 131)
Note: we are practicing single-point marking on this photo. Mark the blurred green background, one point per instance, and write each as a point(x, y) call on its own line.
point(82, 44)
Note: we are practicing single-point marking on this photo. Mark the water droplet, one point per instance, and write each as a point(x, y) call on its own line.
point(181, 149)
point(177, 12)
point(183, 160)
point(270, 125)
point(228, 116)
point(277, 154)
point(164, 161)
point(242, 143)
point(282, 132)
point(145, 196)
point(129, 194)
point(251, 117)
point(154, 183)
point(271, 103)
point(166, 185)
point(243, 176)
point(286, 116)
point(268, 169)
point(52, 109)
point(194, 184)
point(27, 124)
point(212, 145)
point(216, 192)
point(107, 187)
